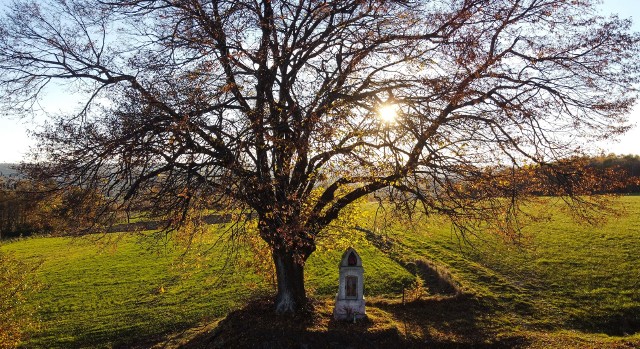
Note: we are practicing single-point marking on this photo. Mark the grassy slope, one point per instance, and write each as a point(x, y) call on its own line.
point(106, 295)
point(568, 276)
point(571, 277)
point(93, 295)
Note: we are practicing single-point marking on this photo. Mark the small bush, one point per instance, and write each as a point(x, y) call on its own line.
point(17, 284)
point(416, 290)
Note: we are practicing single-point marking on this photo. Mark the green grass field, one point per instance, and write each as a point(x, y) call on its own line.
point(569, 280)
point(567, 276)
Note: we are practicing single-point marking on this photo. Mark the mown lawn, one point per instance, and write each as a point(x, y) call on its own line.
point(568, 278)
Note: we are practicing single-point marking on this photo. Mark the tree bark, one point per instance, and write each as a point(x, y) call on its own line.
point(291, 296)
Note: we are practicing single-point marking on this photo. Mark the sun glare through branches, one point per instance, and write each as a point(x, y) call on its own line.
point(388, 113)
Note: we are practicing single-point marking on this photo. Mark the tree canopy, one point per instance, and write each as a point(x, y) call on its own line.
point(276, 106)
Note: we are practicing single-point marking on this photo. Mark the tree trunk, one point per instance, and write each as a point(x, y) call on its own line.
point(291, 295)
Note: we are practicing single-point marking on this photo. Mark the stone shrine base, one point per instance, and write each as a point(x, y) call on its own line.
point(346, 309)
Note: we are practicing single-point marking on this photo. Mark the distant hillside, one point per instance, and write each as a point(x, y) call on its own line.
point(7, 170)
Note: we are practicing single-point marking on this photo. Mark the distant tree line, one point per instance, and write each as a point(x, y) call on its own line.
point(604, 174)
point(32, 207)
point(18, 207)
point(628, 166)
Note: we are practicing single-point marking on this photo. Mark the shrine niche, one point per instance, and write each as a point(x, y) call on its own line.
point(350, 303)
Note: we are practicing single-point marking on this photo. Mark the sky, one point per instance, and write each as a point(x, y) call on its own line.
point(15, 140)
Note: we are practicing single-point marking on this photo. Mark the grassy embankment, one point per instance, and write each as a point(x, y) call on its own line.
point(571, 282)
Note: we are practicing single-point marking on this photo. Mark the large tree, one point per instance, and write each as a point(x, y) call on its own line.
point(275, 106)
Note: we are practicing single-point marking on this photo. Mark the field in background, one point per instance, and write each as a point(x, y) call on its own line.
point(566, 277)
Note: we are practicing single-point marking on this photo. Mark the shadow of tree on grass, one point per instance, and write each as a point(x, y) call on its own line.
point(447, 322)
point(431, 323)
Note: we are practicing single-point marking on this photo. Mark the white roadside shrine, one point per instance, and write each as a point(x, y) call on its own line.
point(350, 304)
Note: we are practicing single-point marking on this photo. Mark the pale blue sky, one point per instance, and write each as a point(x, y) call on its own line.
point(15, 141)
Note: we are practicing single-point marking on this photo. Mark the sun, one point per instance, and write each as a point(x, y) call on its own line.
point(388, 113)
